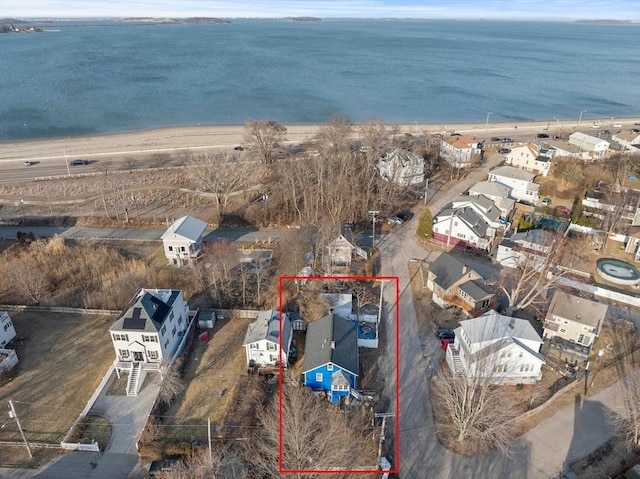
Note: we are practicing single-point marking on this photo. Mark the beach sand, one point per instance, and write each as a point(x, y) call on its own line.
point(170, 139)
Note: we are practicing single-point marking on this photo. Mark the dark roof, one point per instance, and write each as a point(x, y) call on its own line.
point(447, 270)
point(476, 289)
point(147, 311)
point(320, 335)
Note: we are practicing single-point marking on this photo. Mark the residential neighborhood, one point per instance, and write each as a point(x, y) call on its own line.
point(506, 278)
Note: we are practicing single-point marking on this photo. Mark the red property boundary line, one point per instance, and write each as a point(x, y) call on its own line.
point(396, 470)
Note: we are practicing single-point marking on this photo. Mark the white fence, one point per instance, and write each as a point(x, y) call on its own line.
point(76, 446)
point(57, 309)
point(602, 292)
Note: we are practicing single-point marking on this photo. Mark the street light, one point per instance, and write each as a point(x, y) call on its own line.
point(580, 118)
point(486, 124)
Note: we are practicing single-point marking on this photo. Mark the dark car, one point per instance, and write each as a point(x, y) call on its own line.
point(495, 138)
point(405, 215)
point(542, 135)
point(238, 148)
point(446, 333)
point(507, 140)
point(79, 162)
point(504, 151)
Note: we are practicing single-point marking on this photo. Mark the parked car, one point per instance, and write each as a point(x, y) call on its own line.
point(405, 215)
point(563, 209)
point(495, 138)
point(542, 135)
point(507, 140)
point(27, 163)
point(446, 333)
point(546, 201)
point(78, 162)
point(394, 220)
point(238, 148)
point(595, 126)
point(504, 151)
point(617, 125)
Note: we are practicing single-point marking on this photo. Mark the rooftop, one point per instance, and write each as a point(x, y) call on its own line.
point(187, 227)
point(577, 309)
point(512, 172)
point(331, 339)
point(147, 310)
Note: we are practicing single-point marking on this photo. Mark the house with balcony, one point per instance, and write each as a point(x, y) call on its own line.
point(331, 364)
point(455, 284)
point(402, 167)
point(464, 227)
point(496, 348)
point(520, 181)
point(573, 323)
point(151, 331)
point(532, 157)
point(263, 345)
point(496, 192)
point(591, 147)
point(183, 240)
point(459, 150)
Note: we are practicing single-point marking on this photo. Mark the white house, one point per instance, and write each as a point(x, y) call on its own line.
point(463, 227)
point(496, 192)
point(148, 333)
point(262, 340)
point(402, 167)
point(484, 206)
point(340, 251)
point(458, 150)
point(629, 139)
point(520, 181)
point(527, 246)
point(594, 148)
point(496, 348)
point(183, 240)
point(7, 330)
point(531, 157)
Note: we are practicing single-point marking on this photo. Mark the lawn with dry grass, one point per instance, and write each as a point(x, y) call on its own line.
point(61, 362)
point(211, 375)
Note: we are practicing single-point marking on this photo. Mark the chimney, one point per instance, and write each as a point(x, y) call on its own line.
point(464, 269)
point(512, 323)
point(333, 344)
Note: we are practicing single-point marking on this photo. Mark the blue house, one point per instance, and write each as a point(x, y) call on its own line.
point(331, 356)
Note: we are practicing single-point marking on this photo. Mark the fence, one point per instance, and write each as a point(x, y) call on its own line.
point(73, 446)
point(57, 309)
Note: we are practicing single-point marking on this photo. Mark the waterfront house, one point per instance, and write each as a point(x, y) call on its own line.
point(402, 167)
point(591, 147)
point(496, 348)
point(520, 181)
point(262, 341)
point(149, 332)
point(331, 357)
point(459, 150)
point(532, 157)
point(183, 240)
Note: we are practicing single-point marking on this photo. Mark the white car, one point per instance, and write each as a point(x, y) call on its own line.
point(617, 125)
point(595, 126)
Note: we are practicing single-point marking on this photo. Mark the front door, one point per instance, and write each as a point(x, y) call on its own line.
point(138, 356)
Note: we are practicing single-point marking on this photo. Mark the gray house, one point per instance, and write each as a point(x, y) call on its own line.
point(183, 240)
point(262, 340)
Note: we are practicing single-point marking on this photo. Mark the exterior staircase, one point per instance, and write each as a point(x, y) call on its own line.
point(458, 368)
point(134, 381)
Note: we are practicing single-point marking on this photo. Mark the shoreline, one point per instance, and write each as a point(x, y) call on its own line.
point(203, 137)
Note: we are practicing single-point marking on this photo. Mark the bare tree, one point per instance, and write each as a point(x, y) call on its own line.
point(540, 268)
point(628, 425)
point(221, 464)
point(364, 294)
point(265, 136)
point(617, 204)
point(316, 436)
point(619, 166)
point(27, 279)
point(478, 413)
point(171, 383)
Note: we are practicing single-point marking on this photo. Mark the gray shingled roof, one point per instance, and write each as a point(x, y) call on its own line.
point(321, 333)
point(493, 325)
point(476, 289)
point(491, 188)
point(512, 172)
point(187, 227)
point(577, 309)
point(473, 220)
point(447, 270)
point(267, 326)
point(147, 311)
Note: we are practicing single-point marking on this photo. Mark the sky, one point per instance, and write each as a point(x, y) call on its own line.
point(486, 9)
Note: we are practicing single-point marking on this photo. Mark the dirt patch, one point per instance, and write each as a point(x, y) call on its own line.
point(606, 461)
point(62, 359)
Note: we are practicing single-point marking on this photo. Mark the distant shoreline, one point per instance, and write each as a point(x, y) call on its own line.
point(198, 138)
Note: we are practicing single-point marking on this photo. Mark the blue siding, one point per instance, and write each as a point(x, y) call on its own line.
point(325, 384)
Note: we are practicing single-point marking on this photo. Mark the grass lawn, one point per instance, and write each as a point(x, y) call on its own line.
point(61, 362)
point(211, 375)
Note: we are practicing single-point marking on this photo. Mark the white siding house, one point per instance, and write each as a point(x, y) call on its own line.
point(262, 340)
point(496, 348)
point(149, 333)
point(594, 148)
point(458, 150)
point(530, 157)
point(497, 193)
point(402, 167)
point(183, 240)
point(520, 181)
point(7, 330)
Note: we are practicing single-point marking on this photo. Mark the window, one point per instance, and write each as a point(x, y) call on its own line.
point(170, 248)
point(153, 354)
point(120, 337)
point(585, 328)
point(253, 346)
point(318, 377)
point(163, 330)
point(460, 235)
point(563, 330)
point(149, 338)
point(271, 346)
point(166, 344)
point(565, 321)
point(182, 248)
point(173, 331)
point(171, 316)
point(455, 223)
point(179, 319)
point(273, 358)
point(124, 353)
point(520, 354)
point(329, 367)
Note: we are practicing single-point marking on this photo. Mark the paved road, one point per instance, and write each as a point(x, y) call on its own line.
point(538, 454)
point(76, 232)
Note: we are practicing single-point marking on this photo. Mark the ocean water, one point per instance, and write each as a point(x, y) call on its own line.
point(113, 77)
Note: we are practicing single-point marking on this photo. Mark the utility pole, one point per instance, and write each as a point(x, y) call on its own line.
point(384, 416)
point(13, 415)
point(209, 429)
point(374, 216)
point(486, 124)
point(426, 191)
